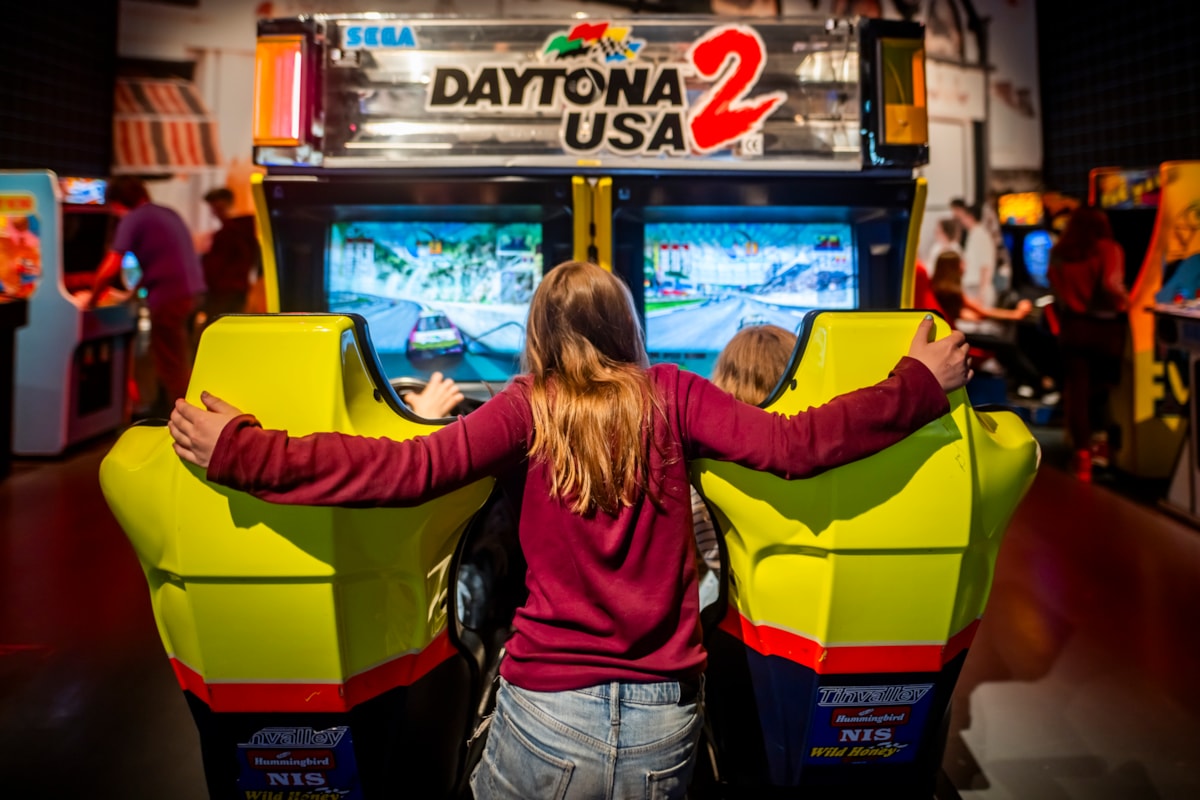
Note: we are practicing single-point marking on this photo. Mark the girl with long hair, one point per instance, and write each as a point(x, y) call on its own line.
point(1087, 273)
point(600, 687)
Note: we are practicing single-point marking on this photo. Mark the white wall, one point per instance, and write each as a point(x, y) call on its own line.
point(1014, 113)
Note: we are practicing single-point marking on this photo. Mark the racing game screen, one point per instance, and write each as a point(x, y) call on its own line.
point(438, 296)
point(705, 281)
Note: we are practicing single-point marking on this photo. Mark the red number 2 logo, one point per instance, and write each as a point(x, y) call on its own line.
point(723, 115)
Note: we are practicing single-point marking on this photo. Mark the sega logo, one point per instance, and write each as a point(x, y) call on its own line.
point(379, 36)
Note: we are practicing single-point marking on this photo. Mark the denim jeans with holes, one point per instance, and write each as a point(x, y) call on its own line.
point(615, 741)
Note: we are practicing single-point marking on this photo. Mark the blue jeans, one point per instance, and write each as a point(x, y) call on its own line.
point(615, 741)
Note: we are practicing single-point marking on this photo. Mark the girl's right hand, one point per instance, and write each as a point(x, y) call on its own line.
point(946, 358)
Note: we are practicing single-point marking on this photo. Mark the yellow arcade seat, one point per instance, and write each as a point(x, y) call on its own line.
point(853, 595)
point(312, 643)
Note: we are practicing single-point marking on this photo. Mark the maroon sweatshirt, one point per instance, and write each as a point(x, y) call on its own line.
point(611, 597)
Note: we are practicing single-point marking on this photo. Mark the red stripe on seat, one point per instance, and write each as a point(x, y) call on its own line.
point(316, 697)
point(846, 659)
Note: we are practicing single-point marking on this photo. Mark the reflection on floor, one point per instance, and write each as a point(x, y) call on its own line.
point(1081, 683)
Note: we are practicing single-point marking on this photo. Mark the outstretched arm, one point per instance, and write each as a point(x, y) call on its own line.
point(336, 469)
point(847, 428)
point(106, 273)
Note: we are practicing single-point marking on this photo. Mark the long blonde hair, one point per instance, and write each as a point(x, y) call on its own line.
point(590, 396)
point(753, 362)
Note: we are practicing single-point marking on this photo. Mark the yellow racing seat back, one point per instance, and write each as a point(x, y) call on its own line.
point(880, 567)
point(265, 607)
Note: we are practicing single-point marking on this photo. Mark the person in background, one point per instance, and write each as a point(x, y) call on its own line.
point(748, 368)
point(989, 218)
point(946, 236)
point(601, 681)
point(948, 285)
point(1087, 273)
point(979, 256)
point(996, 332)
point(171, 276)
point(232, 258)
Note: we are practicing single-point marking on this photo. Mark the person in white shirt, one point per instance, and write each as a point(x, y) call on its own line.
point(979, 256)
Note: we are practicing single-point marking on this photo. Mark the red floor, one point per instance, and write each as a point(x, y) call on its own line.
point(1082, 682)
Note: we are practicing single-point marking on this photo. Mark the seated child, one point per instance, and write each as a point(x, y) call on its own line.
point(748, 368)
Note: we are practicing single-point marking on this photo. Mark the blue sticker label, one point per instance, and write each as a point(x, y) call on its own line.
point(864, 724)
point(378, 36)
point(299, 764)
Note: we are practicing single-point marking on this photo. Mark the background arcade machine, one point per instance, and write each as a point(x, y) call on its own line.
point(1023, 225)
point(72, 364)
point(1130, 198)
point(1149, 405)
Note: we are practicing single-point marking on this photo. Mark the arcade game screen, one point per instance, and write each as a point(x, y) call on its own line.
point(705, 281)
point(1037, 256)
point(438, 296)
point(1021, 208)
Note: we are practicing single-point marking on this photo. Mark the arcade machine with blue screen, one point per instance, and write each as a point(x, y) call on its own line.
point(1023, 225)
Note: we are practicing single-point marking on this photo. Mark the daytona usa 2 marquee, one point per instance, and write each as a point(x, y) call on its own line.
point(810, 95)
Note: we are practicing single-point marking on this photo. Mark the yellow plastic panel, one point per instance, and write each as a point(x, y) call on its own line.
point(897, 548)
point(266, 239)
point(581, 196)
point(248, 591)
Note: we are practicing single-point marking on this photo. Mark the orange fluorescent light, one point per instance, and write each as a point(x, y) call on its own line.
point(279, 91)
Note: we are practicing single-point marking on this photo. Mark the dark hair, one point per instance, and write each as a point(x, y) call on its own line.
point(950, 228)
point(1086, 227)
point(958, 202)
point(946, 284)
point(219, 195)
point(128, 191)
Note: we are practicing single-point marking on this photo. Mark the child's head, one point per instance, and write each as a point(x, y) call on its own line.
point(581, 317)
point(947, 273)
point(754, 361)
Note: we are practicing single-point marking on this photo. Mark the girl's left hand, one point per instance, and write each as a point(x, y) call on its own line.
point(196, 430)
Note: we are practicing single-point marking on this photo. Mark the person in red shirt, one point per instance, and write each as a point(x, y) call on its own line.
point(1087, 273)
point(231, 259)
point(600, 687)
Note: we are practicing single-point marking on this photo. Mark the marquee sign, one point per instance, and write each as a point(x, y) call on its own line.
point(609, 102)
point(661, 92)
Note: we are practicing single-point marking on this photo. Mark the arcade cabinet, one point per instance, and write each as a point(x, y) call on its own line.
point(1023, 225)
point(72, 364)
point(14, 313)
point(1149, 406)
point(1130, 198)
point(424, 175)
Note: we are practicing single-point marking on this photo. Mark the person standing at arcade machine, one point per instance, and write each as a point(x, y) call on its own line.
point(601, 682)
point(1087, 272)
point(231, 259)
point(171, 275)
point(979, 256)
